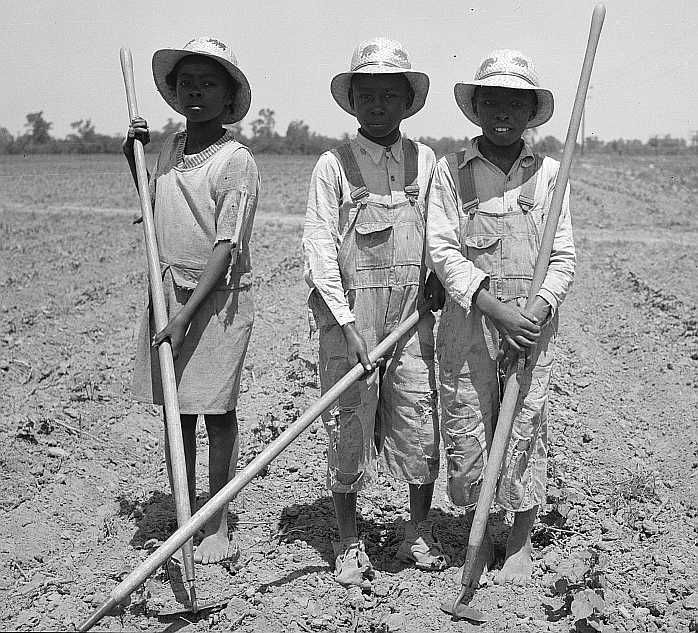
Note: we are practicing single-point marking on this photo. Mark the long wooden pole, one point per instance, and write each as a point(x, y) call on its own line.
point(167, 371)
point(139, 575)
point(507, 408)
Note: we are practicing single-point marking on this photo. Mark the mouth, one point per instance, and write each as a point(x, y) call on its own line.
point(502, 130)
point(194, 107)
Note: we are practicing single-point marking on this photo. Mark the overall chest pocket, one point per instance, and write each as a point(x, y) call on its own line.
point(374, 238)
point(483, 251)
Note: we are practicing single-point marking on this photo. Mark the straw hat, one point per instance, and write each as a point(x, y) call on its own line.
point(166, 59)
point(380, 56)
point(506, 69)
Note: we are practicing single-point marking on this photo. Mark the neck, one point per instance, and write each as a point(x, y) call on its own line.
point(385, 141)
point(503, 156)
point(202, 134)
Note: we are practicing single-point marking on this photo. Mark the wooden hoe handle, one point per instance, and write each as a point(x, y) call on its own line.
point(167, 371)
point(139, 575)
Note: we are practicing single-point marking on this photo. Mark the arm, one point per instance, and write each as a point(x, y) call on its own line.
point(320, 247)
point(177, 327)
point(137, 130)
point(459, 276)
point(434, 292)
point(560, 275)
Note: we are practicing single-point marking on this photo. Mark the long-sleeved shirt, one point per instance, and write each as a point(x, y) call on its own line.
point(497, 192)
point(329, 202)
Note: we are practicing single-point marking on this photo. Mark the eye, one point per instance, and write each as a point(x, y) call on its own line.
point(488, 102)
point(364, 98)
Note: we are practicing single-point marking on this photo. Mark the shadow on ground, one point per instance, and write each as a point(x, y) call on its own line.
point(156, 518)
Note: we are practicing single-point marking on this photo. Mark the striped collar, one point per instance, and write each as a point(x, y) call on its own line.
point(188, 161)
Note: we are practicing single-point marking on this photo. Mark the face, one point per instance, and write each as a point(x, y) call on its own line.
point(504, 113)
point(380, 102)
point(204, 90)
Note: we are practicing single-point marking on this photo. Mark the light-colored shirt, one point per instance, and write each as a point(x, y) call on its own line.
point(196, 200)
point(329, 200)
point(497, 192)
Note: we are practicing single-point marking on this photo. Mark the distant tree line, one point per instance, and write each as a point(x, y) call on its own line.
point(299, 139)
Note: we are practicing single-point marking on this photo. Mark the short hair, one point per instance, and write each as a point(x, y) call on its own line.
point(410, 91)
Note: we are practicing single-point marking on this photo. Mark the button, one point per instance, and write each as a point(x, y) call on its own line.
point(392, 178)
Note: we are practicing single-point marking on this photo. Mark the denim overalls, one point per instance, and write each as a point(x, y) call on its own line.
point(504, 244)
point(394, 409)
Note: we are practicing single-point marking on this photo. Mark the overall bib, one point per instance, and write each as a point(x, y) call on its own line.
point(394, 409)
point(504, 244)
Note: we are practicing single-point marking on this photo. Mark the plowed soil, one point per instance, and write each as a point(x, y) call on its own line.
point(84, 492)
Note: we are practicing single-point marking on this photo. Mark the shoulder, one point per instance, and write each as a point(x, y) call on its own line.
point(424, 150)
point(328, 165)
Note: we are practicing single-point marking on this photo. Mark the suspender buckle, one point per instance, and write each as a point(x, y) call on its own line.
point(359, 193)
point(525, 202)
point(412, 191)
point(471, 207)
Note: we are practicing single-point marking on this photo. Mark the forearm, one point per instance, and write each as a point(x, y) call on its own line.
point(131, 160)
point(216, 267)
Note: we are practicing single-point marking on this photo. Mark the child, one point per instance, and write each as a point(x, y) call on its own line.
point(363, 246)
point(487, 211)
point(196, 187)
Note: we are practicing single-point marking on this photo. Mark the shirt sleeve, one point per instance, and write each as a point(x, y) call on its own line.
point(459, 276)
point(240, 171)
point(560, 274)
point(321, 237)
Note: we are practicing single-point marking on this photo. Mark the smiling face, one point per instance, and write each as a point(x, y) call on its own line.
point(380, 102)
point(204, 89)
point(504, 113)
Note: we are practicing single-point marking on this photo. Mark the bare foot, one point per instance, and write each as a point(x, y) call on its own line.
point(212, 549)
point(517, 563)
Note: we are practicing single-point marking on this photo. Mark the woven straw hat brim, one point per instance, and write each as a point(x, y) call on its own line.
point(166, 59)
point(464, 97)
point(419, 81)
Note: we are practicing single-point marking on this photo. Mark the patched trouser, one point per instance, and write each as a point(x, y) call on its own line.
point(393, 410)
point(470, 397)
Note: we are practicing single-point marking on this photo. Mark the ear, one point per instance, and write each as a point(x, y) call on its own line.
point(351, 97)
point(473, 102)
point(410, 98)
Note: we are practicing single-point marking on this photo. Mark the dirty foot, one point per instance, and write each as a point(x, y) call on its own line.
point(215, 548)
point(517, 563)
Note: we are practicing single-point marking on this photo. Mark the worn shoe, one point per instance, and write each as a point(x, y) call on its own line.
point(352, 566)
point(422, 548)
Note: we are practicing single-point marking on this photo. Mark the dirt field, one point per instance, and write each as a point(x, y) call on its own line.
point(84, 493)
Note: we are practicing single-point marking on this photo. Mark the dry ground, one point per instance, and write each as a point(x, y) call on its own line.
point(84, 493)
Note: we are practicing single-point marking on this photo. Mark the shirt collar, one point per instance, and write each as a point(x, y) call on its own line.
point(376, 151)
point(526, 157)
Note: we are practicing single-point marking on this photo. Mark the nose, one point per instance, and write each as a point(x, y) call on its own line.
point(501, 116)
point(194, 89)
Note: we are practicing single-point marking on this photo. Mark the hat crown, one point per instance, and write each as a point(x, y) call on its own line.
point(380, 51)
point(211, 46)
point(508, 62)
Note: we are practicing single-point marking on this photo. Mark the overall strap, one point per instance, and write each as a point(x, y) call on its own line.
point(528, 188)
point(466, 183)
point(347, 160)
point(410, 156)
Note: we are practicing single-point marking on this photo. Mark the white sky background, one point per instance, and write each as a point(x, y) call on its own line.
point(62, 57)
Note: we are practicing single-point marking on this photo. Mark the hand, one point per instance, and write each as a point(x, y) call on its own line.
point(434, 293)
point(518, 328)
point(137, 130)
point(175, 331)
point(356, 347)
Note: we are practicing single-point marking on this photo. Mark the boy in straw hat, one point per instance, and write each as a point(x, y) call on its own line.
point(487, 210)
point(363, 247)
point(196, 187)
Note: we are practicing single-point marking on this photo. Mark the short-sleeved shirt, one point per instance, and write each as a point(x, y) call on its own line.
point(196, 201)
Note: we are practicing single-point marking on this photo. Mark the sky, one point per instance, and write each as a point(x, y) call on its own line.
point(62, 57)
